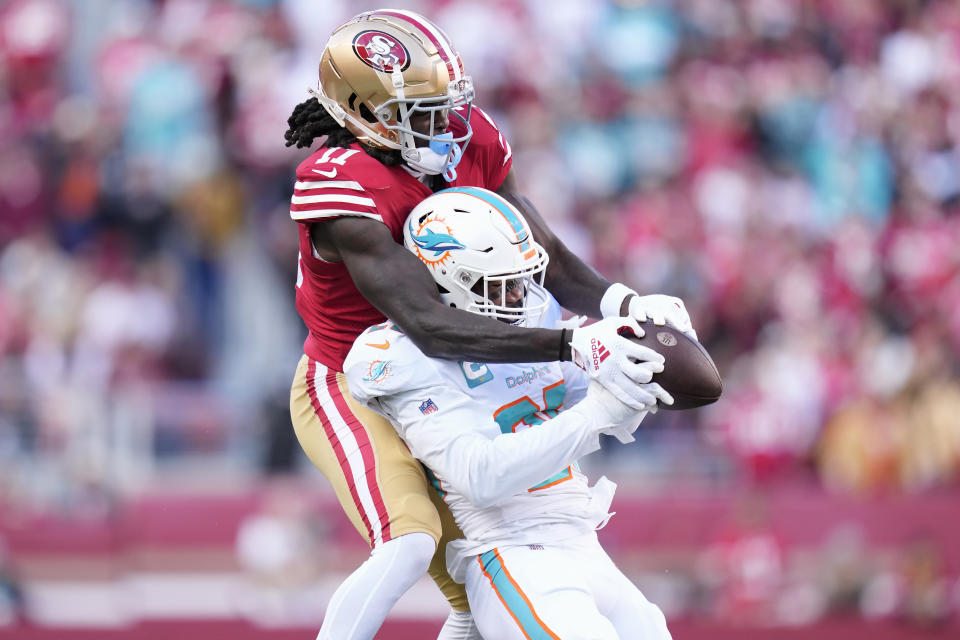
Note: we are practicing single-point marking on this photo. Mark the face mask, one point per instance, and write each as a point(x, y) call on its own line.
point(439, 157)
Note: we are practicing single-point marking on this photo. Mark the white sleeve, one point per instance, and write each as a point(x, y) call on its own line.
point(484, 470)
point(439, 422)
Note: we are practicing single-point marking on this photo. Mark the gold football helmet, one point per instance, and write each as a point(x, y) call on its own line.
point(385, 68)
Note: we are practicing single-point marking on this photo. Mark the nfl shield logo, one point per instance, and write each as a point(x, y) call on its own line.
point(428, 407)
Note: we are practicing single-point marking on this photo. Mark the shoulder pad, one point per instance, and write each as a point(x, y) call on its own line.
point(486, 132)
point(384, 361)
point(338, 182)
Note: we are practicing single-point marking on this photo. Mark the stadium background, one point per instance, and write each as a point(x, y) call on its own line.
point(789, 167)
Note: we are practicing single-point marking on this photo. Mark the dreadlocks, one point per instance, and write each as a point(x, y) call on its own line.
point(310, 120)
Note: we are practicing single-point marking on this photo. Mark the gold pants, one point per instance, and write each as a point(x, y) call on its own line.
point(381, 486)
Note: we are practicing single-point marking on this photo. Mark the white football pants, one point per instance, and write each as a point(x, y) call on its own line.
point(558, 591)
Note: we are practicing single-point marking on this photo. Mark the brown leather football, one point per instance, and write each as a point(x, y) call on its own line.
point(689, 374)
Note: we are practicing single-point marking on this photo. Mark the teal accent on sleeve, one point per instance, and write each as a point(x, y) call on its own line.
point(384, 325)
point(435, 483)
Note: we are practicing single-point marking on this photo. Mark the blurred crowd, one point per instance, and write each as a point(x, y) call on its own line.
point(790, 168)
point(751, 575)
point(748, 572)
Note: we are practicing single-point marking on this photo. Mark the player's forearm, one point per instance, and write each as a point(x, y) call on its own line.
point(577, 286)
point(486, 471)
point(444, 332)
point(399, 286)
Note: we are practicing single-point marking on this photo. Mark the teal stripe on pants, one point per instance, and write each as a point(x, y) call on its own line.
point(514, 600)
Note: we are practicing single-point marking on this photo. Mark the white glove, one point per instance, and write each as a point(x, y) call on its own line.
point(660, 310)
point(613, 416)
point(616, 362)
point(624, 431)
point(609, 413)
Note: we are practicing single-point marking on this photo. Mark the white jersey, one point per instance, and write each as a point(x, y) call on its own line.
point(518, 490)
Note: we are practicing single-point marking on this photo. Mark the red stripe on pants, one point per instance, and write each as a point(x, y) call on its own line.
point(366, 450)
point(337, 446)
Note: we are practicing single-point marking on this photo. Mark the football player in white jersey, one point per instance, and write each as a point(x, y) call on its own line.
point(501, 441)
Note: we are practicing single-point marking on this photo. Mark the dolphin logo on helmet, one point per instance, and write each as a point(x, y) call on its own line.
point(430, 240)
point(481, 253)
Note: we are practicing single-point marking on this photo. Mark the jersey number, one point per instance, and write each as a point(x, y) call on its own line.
point(525, 413)
point(334, 155)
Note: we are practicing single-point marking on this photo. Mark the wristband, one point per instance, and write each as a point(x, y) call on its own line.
point(563, 342)
point(613, 298)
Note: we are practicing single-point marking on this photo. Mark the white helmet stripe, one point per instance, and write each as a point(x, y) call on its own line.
point(435, 36)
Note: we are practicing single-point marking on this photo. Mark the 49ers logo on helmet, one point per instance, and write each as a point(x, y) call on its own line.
point(381, 51)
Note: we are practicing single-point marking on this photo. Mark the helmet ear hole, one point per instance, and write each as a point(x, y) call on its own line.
point(366, 114)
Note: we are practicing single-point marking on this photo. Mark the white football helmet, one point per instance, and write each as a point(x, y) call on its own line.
point(481, 253)
point(386, 67)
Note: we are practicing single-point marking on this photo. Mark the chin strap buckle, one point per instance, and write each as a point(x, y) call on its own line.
point(450, 174)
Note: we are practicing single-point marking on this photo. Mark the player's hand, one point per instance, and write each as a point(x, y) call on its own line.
point(624, 431)
point(613, 417)
point(615, 362)
point(660, 310)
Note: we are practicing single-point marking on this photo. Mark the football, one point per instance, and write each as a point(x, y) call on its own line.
point(689, 374)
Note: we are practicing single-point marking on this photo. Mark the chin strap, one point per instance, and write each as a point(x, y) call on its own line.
point(451, 172)
point(439, 157)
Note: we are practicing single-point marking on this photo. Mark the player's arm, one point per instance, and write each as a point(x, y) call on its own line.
point(399, 286)
point(578, 287)
point(575, 284)
point(396, 283)
point(487, 471)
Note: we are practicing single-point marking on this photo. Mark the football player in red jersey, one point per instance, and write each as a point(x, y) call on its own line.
point(395, 111)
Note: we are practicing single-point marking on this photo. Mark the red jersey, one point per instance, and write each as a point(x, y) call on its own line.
point(336, 182)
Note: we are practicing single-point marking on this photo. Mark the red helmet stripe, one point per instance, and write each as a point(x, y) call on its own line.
point(447, 53)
